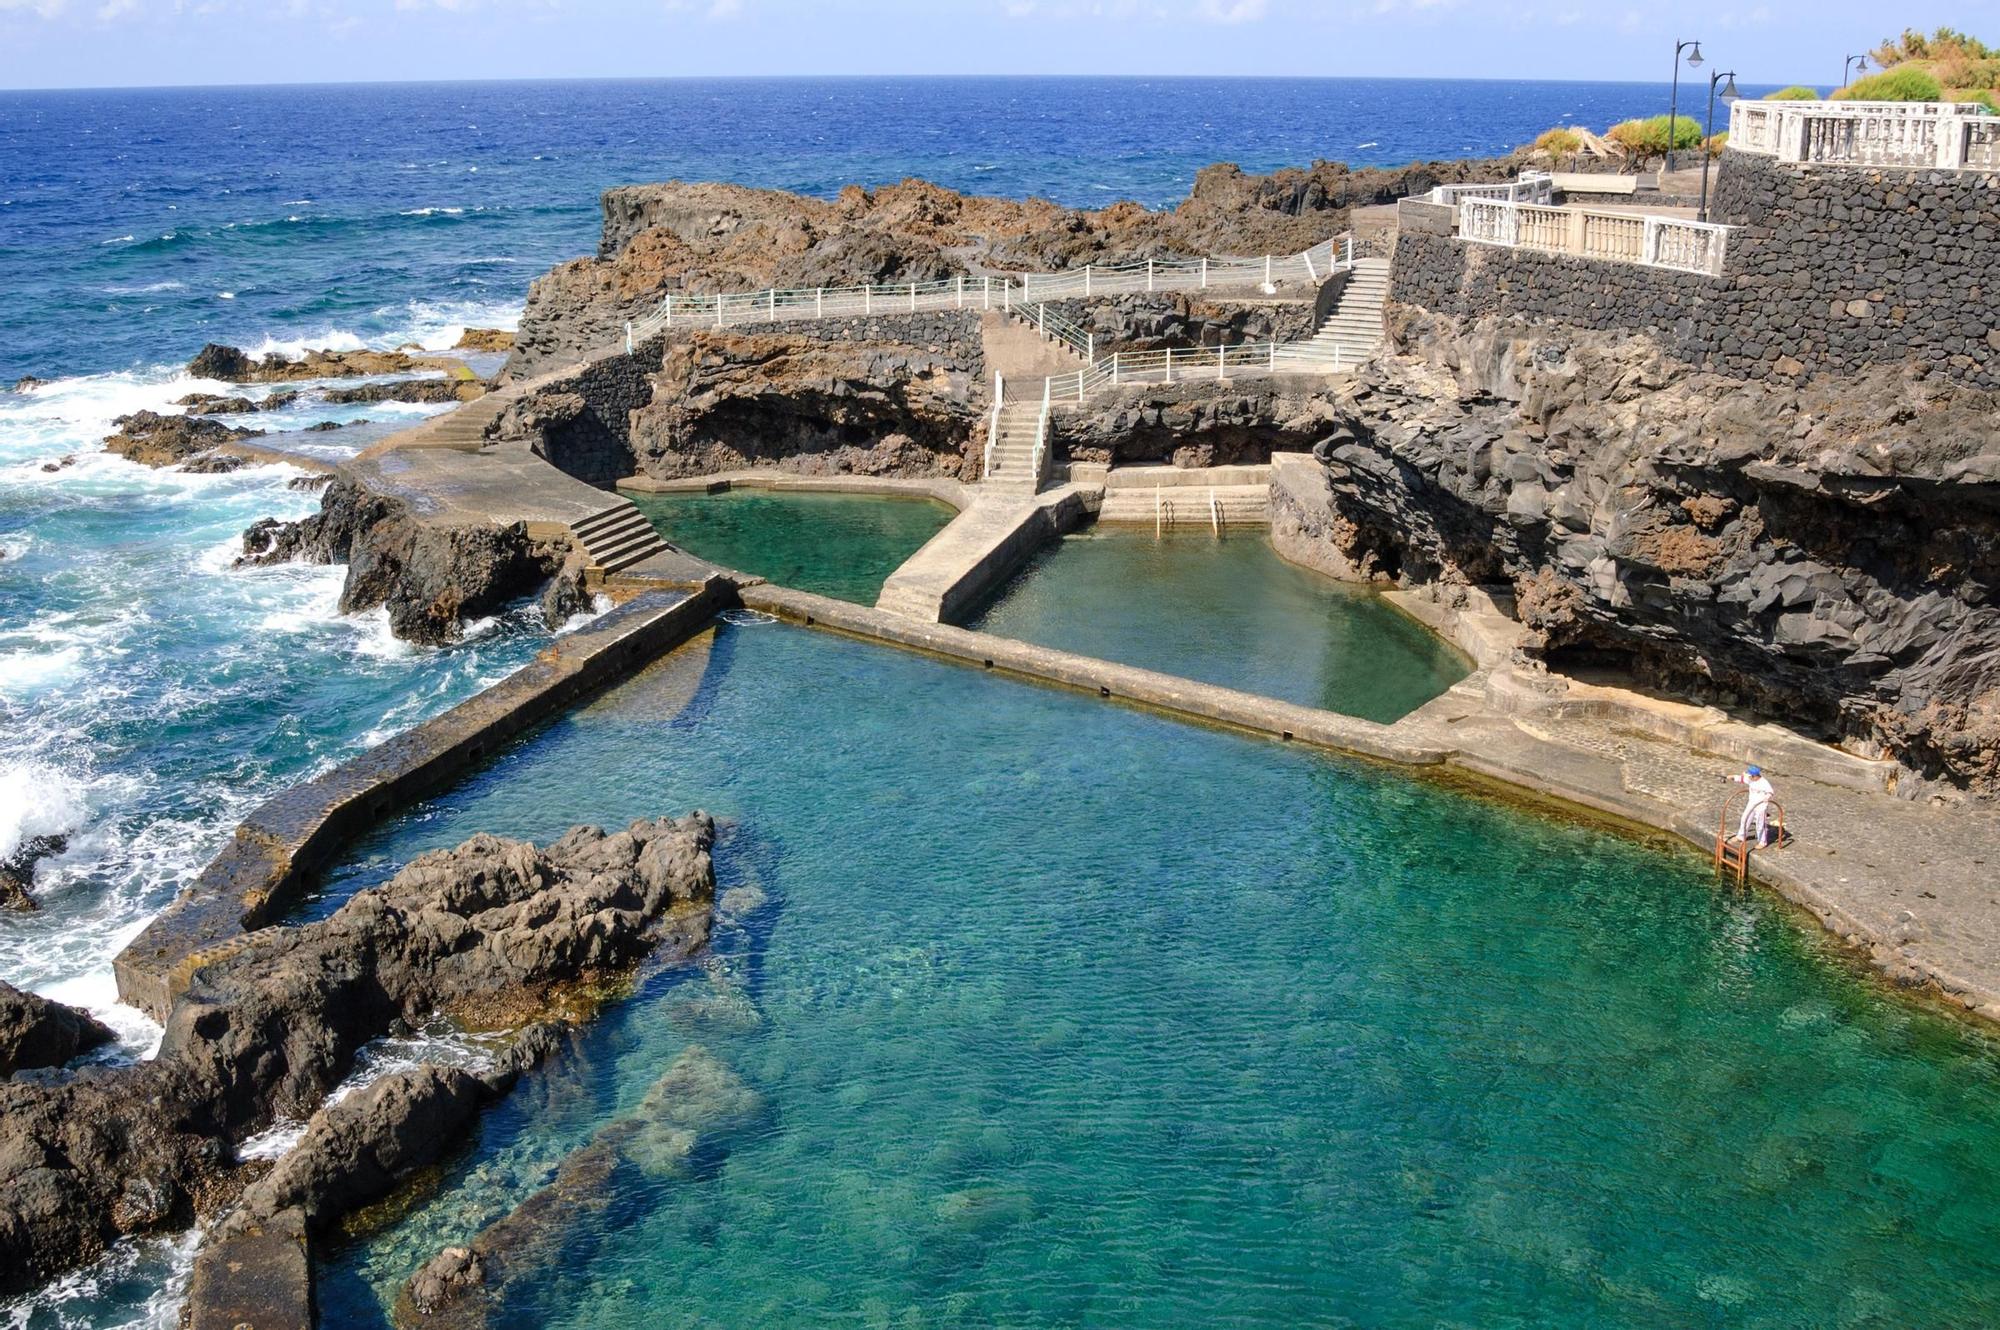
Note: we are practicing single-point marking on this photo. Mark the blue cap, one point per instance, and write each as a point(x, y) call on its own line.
point(1753, 770)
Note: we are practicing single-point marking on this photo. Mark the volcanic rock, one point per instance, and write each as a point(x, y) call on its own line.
point(17, 870)
point(151, 439)
point(38, 1032)
point(427, 391)
point(493, 929)
point(484, 339)
point(231, 365)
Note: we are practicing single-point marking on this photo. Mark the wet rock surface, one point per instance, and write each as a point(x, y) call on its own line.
point(494, 930)
point(187, 442)
point(1198, 424)
point(212, 404)
point(686, 1116)
point(232, 365)
point(17, 871)
point(38, 1032)
point(1821, 551)
point(419, 391)
point(431, 576)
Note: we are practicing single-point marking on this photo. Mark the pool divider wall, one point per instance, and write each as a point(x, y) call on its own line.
point(279, 847)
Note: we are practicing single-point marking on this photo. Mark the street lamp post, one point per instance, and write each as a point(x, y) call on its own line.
point(1674, 98)
point(1728, 98)
point(1858, 63)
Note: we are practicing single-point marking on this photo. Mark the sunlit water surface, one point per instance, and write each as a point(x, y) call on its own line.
point(840, 545)
point(1067, 1014)
point(1230, 612)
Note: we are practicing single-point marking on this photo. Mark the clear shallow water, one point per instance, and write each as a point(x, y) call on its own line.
point(1066, 1014)
point(1229, 612)
point(840, 545)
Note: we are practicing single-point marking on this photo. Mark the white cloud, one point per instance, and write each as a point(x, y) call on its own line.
point(45, 8)
point(112, 9)
point(1232, 11)
point(725, 8)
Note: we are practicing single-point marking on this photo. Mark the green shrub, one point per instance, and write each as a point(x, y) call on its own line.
point(1970, 75)
point(1647, 138)
point(1984, 98)
point(1903, 84)
point(1798, 92)
point(1558, 142)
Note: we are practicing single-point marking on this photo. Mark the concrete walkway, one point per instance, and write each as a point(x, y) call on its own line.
point(980, 549)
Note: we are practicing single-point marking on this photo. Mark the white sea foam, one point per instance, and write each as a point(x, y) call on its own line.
point(150, 288)
point(36, 800)
point(140, 1284)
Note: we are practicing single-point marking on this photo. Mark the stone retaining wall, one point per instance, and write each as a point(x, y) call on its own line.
point(1831, 269)
point(1144, 321)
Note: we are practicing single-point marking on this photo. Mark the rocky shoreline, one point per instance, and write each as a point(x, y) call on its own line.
point(496, 934)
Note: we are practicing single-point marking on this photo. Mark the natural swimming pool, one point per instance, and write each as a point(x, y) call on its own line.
point(1229, 612)
point(840, 545)
point(1068, 1014)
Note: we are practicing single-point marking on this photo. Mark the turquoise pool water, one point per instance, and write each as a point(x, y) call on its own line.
point(1229, 612)
point(840, 545)
point(1064, 1014)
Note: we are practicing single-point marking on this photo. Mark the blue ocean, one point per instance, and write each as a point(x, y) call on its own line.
point(149, 692)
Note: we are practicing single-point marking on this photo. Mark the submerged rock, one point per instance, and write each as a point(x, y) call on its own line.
point(691, 1109)
point(209, 404)
point(38, 1032)
point(493, 930)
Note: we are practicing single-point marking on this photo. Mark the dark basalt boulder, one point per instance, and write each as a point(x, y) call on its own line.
point(210, 404)
point(151, 439)
point(38, 1032)
point(494, 930)
point(431, 577)
point(420, 391)
point(17, 871)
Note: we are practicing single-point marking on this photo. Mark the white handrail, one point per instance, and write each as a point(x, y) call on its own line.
point(1942, 135)
point(721, 309)
point(993, 425)
point(1628, 237)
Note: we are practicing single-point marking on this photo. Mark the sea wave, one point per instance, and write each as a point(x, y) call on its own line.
point(141, 1282)
point(37, 800)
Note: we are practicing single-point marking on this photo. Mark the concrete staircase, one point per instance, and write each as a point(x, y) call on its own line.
point(618, 537)
point(463, 428)
point(1177, 498)
point(1355, 326)
point(1013, 459)
point(1186, 507)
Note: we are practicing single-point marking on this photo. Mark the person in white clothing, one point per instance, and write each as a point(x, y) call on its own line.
point(1757, 806)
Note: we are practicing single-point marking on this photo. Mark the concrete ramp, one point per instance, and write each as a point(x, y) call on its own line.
point(966, 562)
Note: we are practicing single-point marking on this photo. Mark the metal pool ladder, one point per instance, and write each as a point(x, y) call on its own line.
point(1734, 857)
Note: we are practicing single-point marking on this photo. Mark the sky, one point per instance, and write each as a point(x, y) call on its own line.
point(132, 43)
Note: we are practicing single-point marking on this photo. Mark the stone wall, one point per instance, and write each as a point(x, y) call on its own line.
point(952, 334)
point(1844, 267)
point(1832, 269)
point(582, 424)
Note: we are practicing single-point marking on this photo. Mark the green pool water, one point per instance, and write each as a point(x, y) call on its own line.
point(840, 545)
point(1229, 612)
point(1065, 1014)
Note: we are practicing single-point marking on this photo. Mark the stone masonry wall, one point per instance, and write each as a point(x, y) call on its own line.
point(1833, 269)
point(1143, 321)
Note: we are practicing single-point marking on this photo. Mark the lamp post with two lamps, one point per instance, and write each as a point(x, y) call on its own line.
point(1674, 98)
point(1728, 95)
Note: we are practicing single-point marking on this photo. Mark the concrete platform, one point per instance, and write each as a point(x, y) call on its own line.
point(980, 549)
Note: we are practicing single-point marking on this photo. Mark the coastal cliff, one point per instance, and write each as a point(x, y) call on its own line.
point(703, 238)
point(1819, 551)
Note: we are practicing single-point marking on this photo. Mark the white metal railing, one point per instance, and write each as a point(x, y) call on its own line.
point(1947, 135)
point(1528, 187)
point(1055, 328)
point(1194, 364)
point(1001, 292)
point(1624, 237)
point(993, 423)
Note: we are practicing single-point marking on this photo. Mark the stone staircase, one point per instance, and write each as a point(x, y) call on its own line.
point(1186, 507)
point(1013, 458)
point(463, 428)
point(618, 537)
point(1355, 326)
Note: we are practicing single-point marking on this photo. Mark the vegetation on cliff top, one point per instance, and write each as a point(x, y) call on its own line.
point(1958, 68)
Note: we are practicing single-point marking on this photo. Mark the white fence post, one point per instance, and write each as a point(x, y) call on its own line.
point(1042, 320)
point(1218, 363)
point(1170, 364)
point(1149, 274)
point(1204, 272)
point(1090, 348)
point(819, 302)
point(628, 337)
point(1007, 296)
point(986, 293)
point(1267, 270)
point(718, 311)
point(961, 291)
point(913, 297)
point(868, 299)
point(772, 307)
point(1311, 271)
point(670, 309)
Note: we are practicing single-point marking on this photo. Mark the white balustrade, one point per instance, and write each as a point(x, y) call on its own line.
point(1528, 187)
point(1933, 135)
point(1622, 237)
